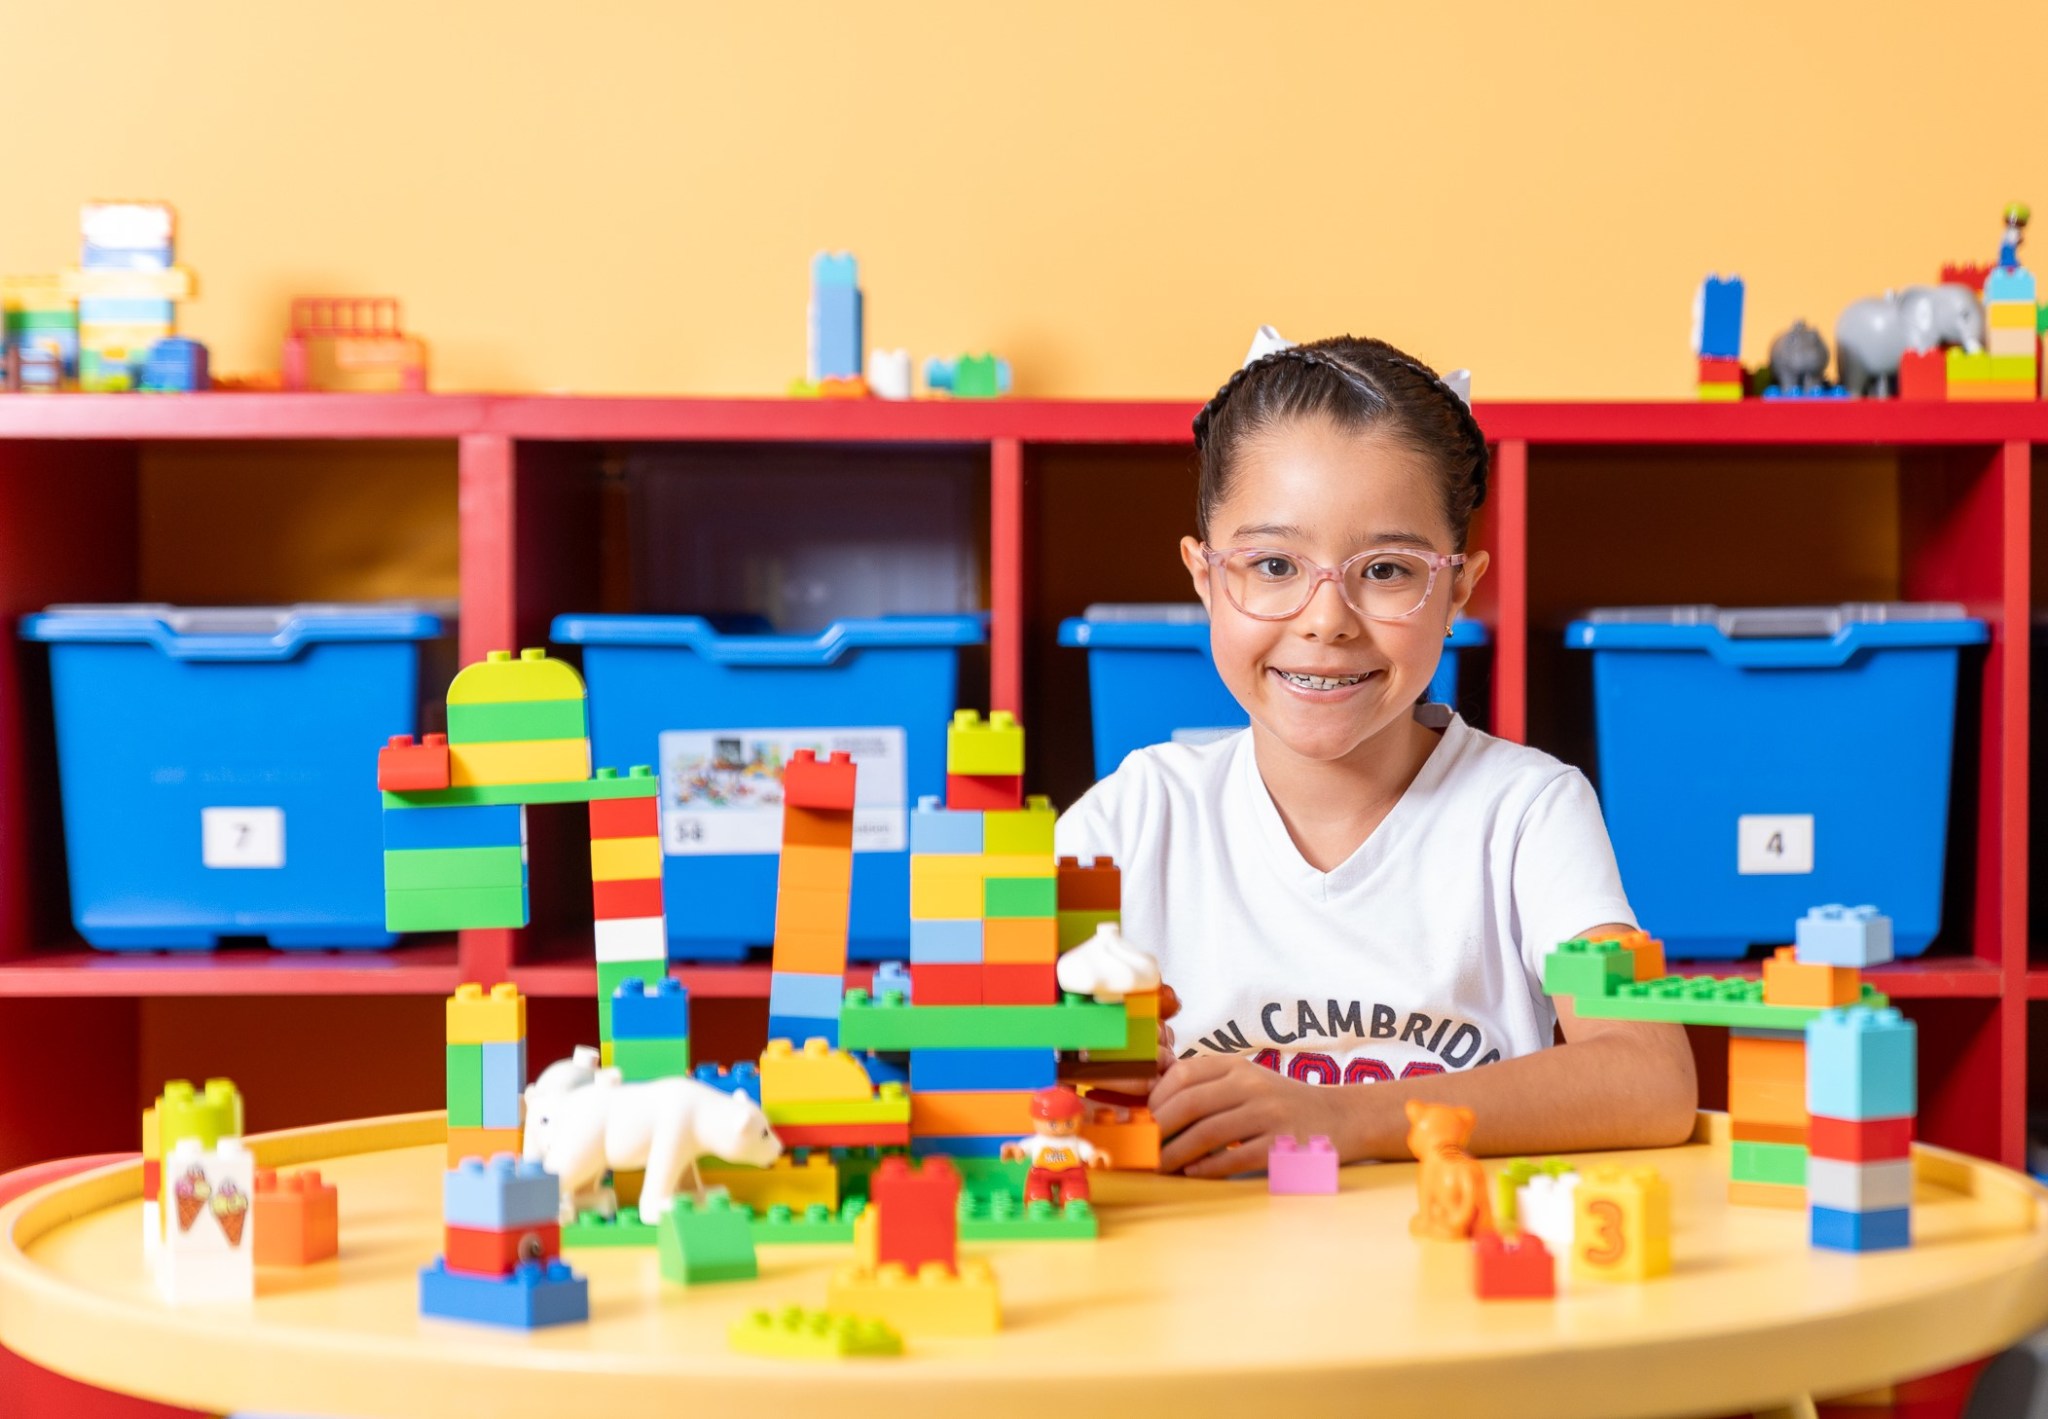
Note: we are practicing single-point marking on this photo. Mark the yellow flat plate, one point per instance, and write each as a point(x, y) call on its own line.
point(1200, 1297)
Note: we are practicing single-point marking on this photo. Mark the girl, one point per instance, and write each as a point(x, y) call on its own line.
point(1360, 888)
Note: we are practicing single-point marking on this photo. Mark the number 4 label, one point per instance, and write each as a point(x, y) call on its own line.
point(1779, 844)
point(242, 837)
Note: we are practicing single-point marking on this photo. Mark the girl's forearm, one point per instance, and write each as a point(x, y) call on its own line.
point(1617, 1090)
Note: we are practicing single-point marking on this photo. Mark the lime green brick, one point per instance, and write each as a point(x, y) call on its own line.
point(794, 1333)
point(465, 1086)
point(890, 1105)
point(1730, 1003)
point(1020, 897)
point(641, 1060)
point(455, 908)
point(1076, 927)
point(978, 746)
point(443, 868)
point(1783, 1163)
point(1020, 831)
point(513, 721)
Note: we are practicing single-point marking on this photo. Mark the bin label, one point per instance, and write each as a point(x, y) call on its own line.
point(241, 837)
point(721, 789)
point(1773, 844)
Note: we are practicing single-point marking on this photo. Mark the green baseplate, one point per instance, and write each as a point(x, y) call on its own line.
point(992, 1209)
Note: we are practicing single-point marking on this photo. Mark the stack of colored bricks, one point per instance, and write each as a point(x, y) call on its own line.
point(909, 1273)
point(2006, 369)
point(517, 721)
point(1769, 1070)
point(208, 1114)
point(39, 327)
point(626, 902)
point(1719, 338)
point(813, 896)
point(454, 867)
point(650, 1027)
point(486, 1070)
point(502, 1264)
point(835, 319)
point(821, 1097)
point(128, 290)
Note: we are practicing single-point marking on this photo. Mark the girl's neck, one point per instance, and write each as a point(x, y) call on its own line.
point(1331, 806)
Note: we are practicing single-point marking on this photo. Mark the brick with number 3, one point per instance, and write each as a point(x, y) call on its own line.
point(1621, 1225)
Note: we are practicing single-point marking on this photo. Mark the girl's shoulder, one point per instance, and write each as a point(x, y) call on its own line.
point(1473, 762)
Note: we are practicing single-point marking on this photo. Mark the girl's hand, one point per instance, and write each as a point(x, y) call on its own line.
point(1212, 1102)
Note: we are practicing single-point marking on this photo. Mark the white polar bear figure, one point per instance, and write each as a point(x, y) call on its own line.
point(577, 1130)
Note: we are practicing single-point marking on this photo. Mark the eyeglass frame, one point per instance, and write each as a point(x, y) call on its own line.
point(1436, 561)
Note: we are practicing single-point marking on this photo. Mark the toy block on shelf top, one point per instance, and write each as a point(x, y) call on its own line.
point(835, 336)
point(1717, 318)
point(795, 1333)
point(298, 1218)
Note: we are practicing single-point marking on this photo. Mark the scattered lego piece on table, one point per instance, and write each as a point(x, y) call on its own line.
point(1512, 1266)
point(795, 1333)
point(1450, 1185)
point(1297, 1170)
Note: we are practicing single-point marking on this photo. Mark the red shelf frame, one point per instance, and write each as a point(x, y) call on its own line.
point(67, 532)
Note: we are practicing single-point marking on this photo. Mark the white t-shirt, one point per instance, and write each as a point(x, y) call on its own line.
point(1422, 952)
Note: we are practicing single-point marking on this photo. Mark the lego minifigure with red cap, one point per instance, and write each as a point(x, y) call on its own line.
point(1060, 1157)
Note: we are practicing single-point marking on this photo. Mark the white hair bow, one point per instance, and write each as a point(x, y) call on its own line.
point(1265, 340)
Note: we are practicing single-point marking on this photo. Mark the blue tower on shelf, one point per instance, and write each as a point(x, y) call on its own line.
point(835, 335)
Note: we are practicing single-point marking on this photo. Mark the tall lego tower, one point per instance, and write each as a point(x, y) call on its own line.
point(833, 350)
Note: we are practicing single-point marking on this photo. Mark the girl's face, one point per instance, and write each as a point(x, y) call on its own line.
point(1309, 488)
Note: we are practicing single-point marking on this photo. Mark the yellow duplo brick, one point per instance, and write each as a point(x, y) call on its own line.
point(935, 1301)
point(2010, 315)
point(521, 761)
point(947, 867)
point(474, 1018)
point(812, 1073)
point(1142, 1005)
point(785, 1182)
point(1018, 864)
point(1621, 1224)
point(501, 676)
point(624, 859)
point(945, 888)
point(1758, 1194)
point(604, 1054)
point(818, 869)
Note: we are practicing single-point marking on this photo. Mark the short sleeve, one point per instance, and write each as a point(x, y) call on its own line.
point(1088, 829)
point(1565, 878)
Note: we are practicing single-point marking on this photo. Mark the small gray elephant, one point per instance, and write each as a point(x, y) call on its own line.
point(1874, 333)
point(1799, 359)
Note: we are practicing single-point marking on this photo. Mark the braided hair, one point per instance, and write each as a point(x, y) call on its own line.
point(1360, 384)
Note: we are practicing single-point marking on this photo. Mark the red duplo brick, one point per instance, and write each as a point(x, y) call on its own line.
point(1012, 984)
point(1859, 1141)
point(936, 984)
point(403, 766)
point(1923, 376)
point(625, 818)
point(485, 1252)
point(919, 1212)
point(987, 793)
point(623, 901)
point(807, 783)
point(1512, 1268)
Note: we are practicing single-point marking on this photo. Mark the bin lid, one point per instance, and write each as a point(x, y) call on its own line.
point(1181, 625)
point(234, 632)
point(825, 647)
point(1789, 636)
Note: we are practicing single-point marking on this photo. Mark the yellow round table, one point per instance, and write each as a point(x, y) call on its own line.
point(1198, 1296)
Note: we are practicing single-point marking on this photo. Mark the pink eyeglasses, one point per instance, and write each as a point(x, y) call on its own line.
point(1380, 584)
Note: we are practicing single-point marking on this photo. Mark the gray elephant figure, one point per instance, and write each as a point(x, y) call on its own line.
point(1799, 360)
point(1874, 333)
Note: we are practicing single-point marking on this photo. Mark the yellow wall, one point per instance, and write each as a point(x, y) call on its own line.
point(622, 196)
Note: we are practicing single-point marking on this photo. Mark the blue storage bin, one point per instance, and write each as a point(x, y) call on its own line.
point(218, 768)
point(1755, 763)
point(1151, 678)
point(705, 688)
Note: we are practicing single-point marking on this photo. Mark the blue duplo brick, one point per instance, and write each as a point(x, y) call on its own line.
point(660, 1014)
point(504, 1082)
point(793, 993)
point(741, 1078)
point(945, 943)
point(1860, 1064)
point(938, 1070)
point(944, 831)
point(1862, 1231)
point(804, 1027)
point(499, 1194)
point(966, 1146)
point(533, 1296)
point(496, 825)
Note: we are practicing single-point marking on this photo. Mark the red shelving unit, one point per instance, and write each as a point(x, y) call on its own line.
point(1082, 502)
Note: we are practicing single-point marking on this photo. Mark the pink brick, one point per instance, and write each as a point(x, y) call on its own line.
point(1295, 1170)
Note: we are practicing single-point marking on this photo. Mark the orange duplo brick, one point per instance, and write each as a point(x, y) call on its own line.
point(1767, 1061)
point(481, 1143)
point(1013, 984)
point(1023, 941)
point(1132, 1146)
point(1790, 981)
point(808, 909)
point(817, 827)
point(954, 1115)
point(817, 869)
point(298, 1219)
point(1744, 1130)
point(811, 953)
point(1097, 887)
point(1756, 1194)
point(1767, 1101)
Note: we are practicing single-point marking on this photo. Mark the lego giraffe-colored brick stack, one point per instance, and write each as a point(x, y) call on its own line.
point(2007, 367)
point(814, 890)
point(486, 1070)
point(631, 937)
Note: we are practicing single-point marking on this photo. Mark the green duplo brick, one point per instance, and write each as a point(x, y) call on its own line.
point(445, 868)
point(455, 909)
point(1581, 967)
point(613, 974)
point(641, 1060)
point(510, 721)
point(605, 785)
point(888, 1024)
point(465, 1086)
point(1010, 897)
point(1768, 1163)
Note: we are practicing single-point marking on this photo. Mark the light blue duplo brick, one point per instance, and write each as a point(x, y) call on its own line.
point(945, 943)
point(1860, 1064)
point(944, 830)
point(504, 1082)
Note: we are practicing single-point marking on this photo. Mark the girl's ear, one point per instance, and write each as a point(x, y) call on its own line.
point(1198, 569)
point(1467, 581)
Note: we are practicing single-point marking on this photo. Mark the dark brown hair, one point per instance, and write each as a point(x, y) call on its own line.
point(1358, 384)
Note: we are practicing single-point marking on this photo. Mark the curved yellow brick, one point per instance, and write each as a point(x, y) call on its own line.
point(815, 1074)
point(499, 677)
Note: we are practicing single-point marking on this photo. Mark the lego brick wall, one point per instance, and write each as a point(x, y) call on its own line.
point(1111, 197)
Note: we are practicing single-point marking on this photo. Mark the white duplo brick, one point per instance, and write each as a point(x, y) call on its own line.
point(638, 938)
point(1859, 1187)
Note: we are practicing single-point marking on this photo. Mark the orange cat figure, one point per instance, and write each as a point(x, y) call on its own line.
point(1450, 1186)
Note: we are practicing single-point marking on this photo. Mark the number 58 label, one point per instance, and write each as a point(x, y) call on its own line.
point(1769, 844)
